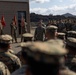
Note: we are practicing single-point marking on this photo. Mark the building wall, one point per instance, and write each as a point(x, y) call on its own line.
point(9, 9)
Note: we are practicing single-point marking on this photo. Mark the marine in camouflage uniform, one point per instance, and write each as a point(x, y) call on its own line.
point(71, 34)
point(13, 31)
point(39, 33)
point(57, 41)
point(71, 57)
point(43, 59)
point(23, 28)
point(6, 57)
point(61, 36)
point(68, 25)
point(27, 37)
point(74, 25)
point(71, 45)
point(60, 25)
point(3, 69)
point(51, 32)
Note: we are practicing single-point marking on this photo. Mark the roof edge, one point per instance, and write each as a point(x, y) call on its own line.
point(15, 0)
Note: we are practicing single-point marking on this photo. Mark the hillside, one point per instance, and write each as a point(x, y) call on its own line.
point(36, 17)
point(68, 15)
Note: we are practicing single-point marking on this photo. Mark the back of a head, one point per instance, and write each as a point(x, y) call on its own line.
point(57, 42)
point(27, 37)
point(51, 28)
point(61, 36)
point(71, 45)
point(5, 41)
point(51, 31)
point(71, 34)
point(44, 58)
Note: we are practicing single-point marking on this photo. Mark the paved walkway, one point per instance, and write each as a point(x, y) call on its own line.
point(15, 45)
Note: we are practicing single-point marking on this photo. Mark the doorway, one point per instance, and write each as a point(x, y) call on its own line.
point(20, 14)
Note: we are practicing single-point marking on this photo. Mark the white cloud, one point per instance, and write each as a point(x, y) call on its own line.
point(61, 1)
point(39, 10)
point(40, 1)
point(55, 10)
point(73, 0)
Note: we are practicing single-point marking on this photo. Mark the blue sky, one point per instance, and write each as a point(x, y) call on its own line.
point(55, 7)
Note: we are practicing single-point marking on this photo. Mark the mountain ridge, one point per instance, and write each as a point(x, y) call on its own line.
point(68, 15)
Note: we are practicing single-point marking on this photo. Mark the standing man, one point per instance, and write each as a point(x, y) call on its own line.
point(61, 36)
point(9, 59)
point(51, 32)
point(74, 25)
point(3, 24)
point(39, 32)
point(13, 30)
point(27, 37)
point(42, 58)
point(23, 27)
point(71, 57)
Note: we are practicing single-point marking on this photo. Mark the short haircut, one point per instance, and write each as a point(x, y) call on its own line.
point(41, 68)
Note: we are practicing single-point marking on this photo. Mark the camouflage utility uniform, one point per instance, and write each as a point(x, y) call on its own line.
point(39, 33)
point(44, 59)
point(10, 60)
point(3, 69)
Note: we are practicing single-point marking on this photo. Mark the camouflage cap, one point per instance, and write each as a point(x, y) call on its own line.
point(71, 34)
point(28, 35)
point(74, 60)
point(61, 35)
point(52, 27)
point(57, 42)
point(5, 39)
point(71, 42)
point(42, 51)
point(23, 44)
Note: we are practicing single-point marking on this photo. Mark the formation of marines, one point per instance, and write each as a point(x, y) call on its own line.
point(50, 51)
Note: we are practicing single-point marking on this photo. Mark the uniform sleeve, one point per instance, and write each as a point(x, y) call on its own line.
point(7, 71)
point(17, 64)
point(3, 69)
point(14, 62)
